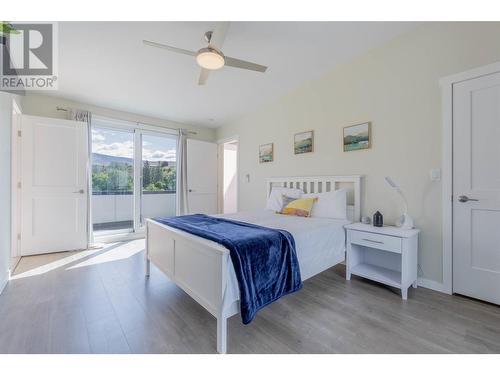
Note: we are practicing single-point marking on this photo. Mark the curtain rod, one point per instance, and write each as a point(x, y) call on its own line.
point(188, 131)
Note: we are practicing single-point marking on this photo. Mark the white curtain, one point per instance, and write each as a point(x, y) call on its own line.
point(79, 115)
point(182, 193)
point(86, 116)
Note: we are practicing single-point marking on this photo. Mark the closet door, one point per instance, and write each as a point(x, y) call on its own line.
point(202, 176)
point(476, 188)
point(54, 157)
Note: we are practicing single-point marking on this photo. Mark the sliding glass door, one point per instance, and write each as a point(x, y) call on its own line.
point(133, 176)
point(112, 180)
point(158, 178)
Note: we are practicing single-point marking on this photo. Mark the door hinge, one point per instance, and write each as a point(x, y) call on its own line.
point(19, 185)
point(19, 236)
point(19, 133)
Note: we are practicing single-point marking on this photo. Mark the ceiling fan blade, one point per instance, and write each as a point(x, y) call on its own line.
point(169, 48)
point(203, 76)
point(242, 64)
point(219, 35)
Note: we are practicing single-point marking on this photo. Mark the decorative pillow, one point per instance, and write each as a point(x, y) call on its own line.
point(299, 207)
point(275, 200)
point(332, 204)
point(285, 200)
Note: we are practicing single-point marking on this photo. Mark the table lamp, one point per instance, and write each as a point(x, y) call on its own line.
point(404, 221)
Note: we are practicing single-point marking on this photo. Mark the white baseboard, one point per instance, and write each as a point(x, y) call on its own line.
point(431, 284)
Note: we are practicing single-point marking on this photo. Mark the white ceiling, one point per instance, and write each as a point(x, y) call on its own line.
point(106, 64)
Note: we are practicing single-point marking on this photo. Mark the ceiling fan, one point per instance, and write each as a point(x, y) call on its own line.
point(211, 57)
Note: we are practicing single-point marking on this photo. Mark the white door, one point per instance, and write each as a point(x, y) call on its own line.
point(54, 156)
point(202, 176)
point(476, 188)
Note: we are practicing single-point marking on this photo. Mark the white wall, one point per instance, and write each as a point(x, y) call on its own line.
point(45, 106)
point(394, 86)
point(5, 185)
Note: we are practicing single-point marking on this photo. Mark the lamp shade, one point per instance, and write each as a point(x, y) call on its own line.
point(391, 182)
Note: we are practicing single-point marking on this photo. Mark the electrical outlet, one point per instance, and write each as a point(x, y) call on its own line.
point(436, 174)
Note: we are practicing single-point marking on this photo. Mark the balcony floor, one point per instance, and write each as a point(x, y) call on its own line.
point(115, 225)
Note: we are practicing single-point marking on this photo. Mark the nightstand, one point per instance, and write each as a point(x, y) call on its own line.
point(388, 255)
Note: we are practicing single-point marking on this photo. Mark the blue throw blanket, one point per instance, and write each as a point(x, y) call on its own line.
point(264, 259)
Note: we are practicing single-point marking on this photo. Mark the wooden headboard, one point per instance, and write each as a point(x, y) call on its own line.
point(321, 184)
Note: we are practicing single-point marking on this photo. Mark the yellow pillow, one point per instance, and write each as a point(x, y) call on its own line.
point(299, 207)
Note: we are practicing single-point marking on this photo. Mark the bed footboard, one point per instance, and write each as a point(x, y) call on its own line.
point(196, 265)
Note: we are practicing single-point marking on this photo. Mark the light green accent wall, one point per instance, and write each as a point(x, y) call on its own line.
point(396, 87)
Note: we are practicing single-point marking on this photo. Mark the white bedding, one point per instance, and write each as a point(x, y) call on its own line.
point(320, 243)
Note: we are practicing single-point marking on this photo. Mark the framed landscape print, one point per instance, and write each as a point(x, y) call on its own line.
point(266, 153)
point(357, 137)
point(303, 142)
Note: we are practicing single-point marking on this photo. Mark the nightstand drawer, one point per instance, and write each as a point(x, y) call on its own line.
point(377, 241)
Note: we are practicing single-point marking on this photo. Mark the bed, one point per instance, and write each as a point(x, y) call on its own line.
point(204, 270)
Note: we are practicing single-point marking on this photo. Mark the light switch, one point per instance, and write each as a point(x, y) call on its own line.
point(436, 174)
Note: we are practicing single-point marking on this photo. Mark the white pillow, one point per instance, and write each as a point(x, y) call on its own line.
point(332, 204)
point(275, 199)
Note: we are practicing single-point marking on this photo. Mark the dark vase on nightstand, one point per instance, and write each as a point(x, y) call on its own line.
point(378, 219)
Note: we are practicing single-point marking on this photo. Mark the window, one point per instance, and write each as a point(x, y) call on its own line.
point(133, 175)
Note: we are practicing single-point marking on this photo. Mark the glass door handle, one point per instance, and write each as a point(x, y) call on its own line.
point(81, 191)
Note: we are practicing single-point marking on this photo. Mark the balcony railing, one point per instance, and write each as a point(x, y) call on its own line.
point(115, 209)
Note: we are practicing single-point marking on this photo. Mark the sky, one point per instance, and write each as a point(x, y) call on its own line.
point(118, 143)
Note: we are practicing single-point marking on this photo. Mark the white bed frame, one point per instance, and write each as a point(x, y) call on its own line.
point(200, 266)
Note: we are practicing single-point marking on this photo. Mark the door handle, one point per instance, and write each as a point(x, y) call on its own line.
point(190, 191)
point(373, 241)
point(81, 191)
point(465, 198)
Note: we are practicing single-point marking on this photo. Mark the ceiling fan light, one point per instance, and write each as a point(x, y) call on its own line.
point(210, 59)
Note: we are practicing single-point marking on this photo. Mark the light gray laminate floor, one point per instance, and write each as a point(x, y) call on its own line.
point(98, 301)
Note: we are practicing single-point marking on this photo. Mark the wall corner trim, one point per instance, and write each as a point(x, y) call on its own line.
point(434, 285)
